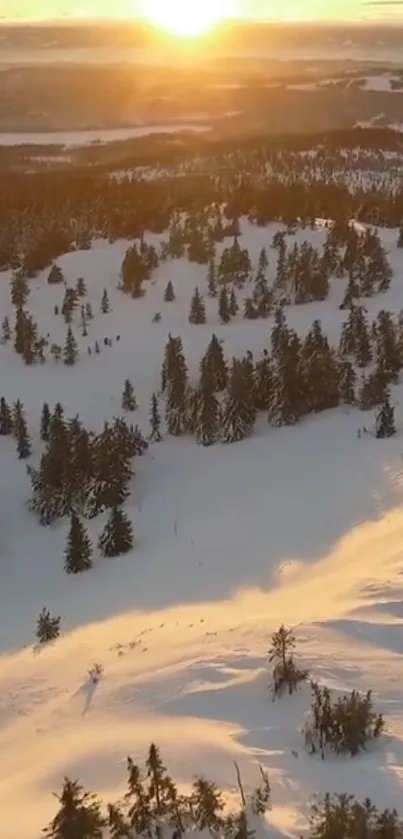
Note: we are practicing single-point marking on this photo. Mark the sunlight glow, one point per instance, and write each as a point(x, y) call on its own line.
point(185, 19)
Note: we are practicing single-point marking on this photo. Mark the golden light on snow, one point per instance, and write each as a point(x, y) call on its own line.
point(187, 20)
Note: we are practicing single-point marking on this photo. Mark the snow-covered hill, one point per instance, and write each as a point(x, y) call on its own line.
point(299, 525)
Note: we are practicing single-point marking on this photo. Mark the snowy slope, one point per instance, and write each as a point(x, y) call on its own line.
point(301, 525)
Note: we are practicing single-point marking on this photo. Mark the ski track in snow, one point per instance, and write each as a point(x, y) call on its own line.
point(302, 526)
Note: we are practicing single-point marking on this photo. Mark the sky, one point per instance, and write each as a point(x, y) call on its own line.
point(291, 9)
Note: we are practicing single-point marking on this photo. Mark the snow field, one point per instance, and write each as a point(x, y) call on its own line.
point(297, 525)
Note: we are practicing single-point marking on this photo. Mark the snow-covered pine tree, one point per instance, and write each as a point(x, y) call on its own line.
point(70, 351)
point(208, 409)
point(233, 307)
point(215, 361)
point(223, 306)
point(105, 306)
point(239, 413)
point(197, 312)
point(81, 287)
point(169, 293)
point(207, 805)
point(18, 412)
point(128, 397)
point(6, 419)
point(79, 815)
point(5, 331)
point(212, 279)
point(155, 420)
point(249, 310)
point(117, 536)
point(45, 421)
point(175, 410)
point(23, 441)
point(385, 419)
point(78, 552)
point(47, 627)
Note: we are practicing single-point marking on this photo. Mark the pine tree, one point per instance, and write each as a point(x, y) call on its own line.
point(19, 289)
point(223, 306)
point(18, 413)
point(239, 413)
point(212, 280)
point(233, 307)
point(6, 419)
point(156, 773)
point(169, 293)
point(47, 627)
point(117, 536)
point(78, 551)
point(128, 397)
point(207, 805)
point(55, 275)
point(105, 307)
point(197, 312)
point(70, 351)
point(215, 361)
point(23, 441)
point(81, 287)
point(45, 420)
point(155, 420)
point(175, 410)
point(385, 419)
point(286, 674)
point(249, 310)
point(88, 311)
point(5, 330)
point(207, 409)
point(79, 815)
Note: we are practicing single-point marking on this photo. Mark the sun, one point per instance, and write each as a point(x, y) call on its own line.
point(185, 18)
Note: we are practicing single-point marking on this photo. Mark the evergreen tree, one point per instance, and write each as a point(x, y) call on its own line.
point(128, 397)
point(157, 775)
point(385, 419)
point(55, 275)
point(69, 304)
point(400, 238)
point(347, 382)
point(207, 408)
point(78, 549)
point(207, 804)
point(175, 411)
point(6, 419)
point(70, 351)
point(88, 311)
point(169, 293)
point(249, 311)
point(215, 361)
point(286, 674)
point(155, 420)
point(18, 414)
point(117, 536)
point(81, 287)
point(19, 289)
point(232, 303)
point(79, 815)
point(23, 441)
point(223, 306)
point(105, 307)
point(197, 312)
point(45, 420)
point(288, 402)
point(5, 330)
point(264, 383)
point(212, 279)
point(239, 412)
point(48, 627)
